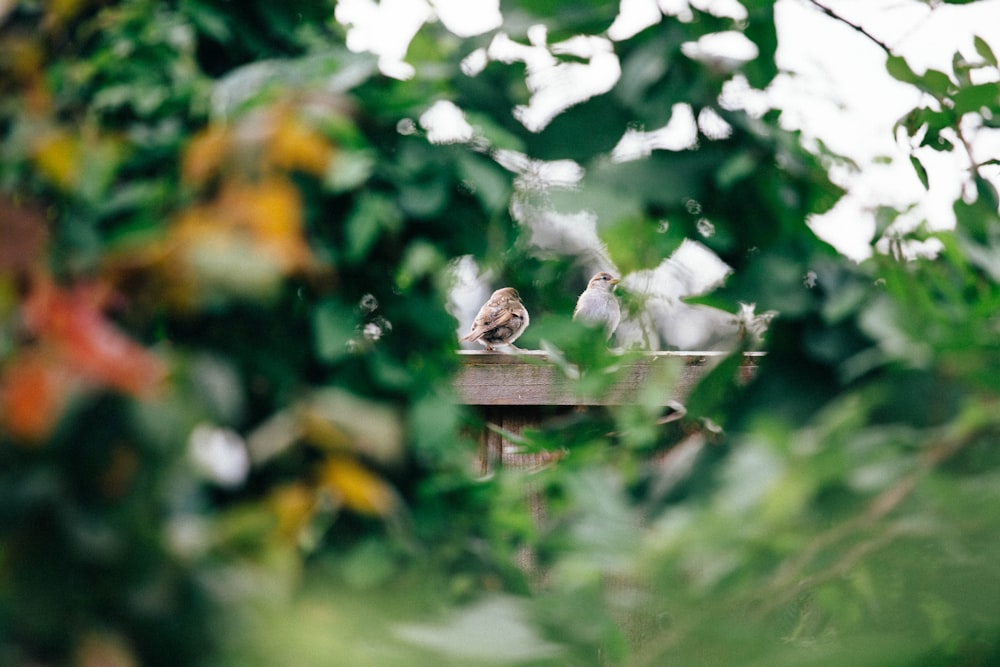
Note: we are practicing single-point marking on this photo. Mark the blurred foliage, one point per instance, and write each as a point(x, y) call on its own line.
point(227, 433)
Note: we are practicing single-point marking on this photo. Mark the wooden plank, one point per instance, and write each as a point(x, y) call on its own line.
point(530, 378)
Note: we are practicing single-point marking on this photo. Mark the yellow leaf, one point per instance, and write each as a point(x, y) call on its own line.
point(296, 147)
point(61, 11)
point(338, 419)
point(58, 156)
point(242, 244)
point(205, 155)
point(322, 433)
point(23, 56)
point(271, 212)
point(357, 487)
point(294, 505)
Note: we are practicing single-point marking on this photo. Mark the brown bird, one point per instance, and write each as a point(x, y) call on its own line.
point(500, 321)
point(598, 305)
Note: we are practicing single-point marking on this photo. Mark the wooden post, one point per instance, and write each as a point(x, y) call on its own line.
point(513, 388)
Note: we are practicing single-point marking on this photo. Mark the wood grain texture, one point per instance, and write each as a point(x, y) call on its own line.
point(530, 378)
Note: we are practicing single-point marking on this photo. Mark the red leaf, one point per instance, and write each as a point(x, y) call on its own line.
point(71, 321)
point(22, 236)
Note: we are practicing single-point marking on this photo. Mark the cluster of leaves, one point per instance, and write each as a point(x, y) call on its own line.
point(227, 434)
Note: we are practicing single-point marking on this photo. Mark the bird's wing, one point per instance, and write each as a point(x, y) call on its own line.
point(584, 298)
point(495, 317)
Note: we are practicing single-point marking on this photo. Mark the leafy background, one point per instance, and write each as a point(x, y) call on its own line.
point(228, 434)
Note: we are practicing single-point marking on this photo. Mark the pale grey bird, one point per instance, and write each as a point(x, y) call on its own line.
point(598, 305)
point(500, 321)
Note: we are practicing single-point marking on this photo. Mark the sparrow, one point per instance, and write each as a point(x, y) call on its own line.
point(598, 305)
point(500, 321)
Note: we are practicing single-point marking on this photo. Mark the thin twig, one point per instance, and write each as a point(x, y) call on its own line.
point(790, 577)
point(967, 145)
point(837, 17)
point(973, 166)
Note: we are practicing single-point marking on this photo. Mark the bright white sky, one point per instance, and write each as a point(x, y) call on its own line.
point(843, 95)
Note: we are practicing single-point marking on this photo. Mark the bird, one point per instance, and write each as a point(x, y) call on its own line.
point(501, 320)
point(597, 304)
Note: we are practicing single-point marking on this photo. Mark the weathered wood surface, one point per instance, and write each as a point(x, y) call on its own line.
point(530, 378)
point(516, 391)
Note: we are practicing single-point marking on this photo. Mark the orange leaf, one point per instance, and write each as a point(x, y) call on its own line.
point(205, 155)
point(34, 389)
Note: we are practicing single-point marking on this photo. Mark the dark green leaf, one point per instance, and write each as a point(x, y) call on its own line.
point(486, 180)
point(372, 215)
point(936, 82)
point(921, 171)
point(333, 328)
point(715, 390)
point(987, 193)
point(898, 69)
point(976, 98)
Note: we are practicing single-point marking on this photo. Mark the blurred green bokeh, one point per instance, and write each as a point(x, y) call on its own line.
point(228, 434)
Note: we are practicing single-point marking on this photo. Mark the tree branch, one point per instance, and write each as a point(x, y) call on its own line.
point(859, 28)
point(791, 578)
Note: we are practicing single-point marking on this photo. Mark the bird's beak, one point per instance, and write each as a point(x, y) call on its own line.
point(615, 281)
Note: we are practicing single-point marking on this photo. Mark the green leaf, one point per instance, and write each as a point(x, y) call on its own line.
point(762, 32)
point(900, 70)
point(735, 169)
point(936, 82)
point(936, 122)
point(715, 391)
point(369, 564)
point(432, 423)
point(639, 243)
point(643, 69)
point(961, 68)
point(493, 132)
point(420, 260)
point(987, 194)
point(349, 170)
point(486, 180)
point(372, 214)
point(921, 171)
point(582, 131)
point(427, 197)
point(984, 50)
point(333, 328)
point(975, 98)
point(210, 21)
point(495, 629)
